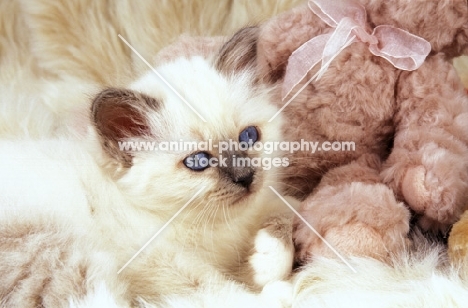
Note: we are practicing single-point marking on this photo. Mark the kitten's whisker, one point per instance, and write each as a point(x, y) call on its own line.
point(279, 183)
point(200, 214)
point(239, 259)
point(203, 221)
point(225, 218)
point(212, 229)
point(198, 221)
point(185, 216)
point(206, 221)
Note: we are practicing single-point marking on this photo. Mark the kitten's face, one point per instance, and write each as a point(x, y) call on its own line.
point(234, 110)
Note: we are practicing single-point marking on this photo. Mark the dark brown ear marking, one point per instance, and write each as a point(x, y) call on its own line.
point(239, 53)
point(118, 114)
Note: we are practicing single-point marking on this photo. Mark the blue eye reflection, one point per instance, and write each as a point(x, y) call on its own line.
point(198, 161)
point(249, 135)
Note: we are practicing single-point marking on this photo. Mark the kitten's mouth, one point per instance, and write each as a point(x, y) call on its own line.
point(243, 198)
point(246, 194)
point(241, 183)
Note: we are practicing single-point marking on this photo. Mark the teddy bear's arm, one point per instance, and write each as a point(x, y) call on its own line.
point(354, 212)
point(428, 166)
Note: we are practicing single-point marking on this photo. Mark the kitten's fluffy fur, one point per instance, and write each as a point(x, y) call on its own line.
point(74, 211)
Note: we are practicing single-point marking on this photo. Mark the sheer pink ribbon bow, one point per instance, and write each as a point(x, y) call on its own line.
point(401, 48)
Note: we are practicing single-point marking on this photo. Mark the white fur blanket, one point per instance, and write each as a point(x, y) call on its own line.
point(56, 53)
point(421, 279)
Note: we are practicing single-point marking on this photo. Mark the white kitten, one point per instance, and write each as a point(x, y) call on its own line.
point(74, 212)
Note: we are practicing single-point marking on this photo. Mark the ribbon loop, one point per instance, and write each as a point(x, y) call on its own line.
point(402, 49)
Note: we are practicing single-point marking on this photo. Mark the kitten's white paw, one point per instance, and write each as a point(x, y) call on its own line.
point(278, 294)
point(100, 297)
point(272, 259)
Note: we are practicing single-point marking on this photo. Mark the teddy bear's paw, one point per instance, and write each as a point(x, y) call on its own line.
point(354, 219)
point(356, 239)
point(437, 197)
point(273, 254)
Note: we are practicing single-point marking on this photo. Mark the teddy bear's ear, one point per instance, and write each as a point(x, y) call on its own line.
point(239, 52)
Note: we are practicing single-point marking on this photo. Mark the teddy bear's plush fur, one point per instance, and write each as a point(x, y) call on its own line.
point(410, 130)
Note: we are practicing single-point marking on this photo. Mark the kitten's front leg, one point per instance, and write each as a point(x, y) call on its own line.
point(273, 252)
point(272, 256)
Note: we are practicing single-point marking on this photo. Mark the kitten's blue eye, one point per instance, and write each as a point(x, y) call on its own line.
point(249, 135)
point(198, 161)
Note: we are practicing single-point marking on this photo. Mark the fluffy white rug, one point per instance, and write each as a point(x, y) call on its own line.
point(416, 279)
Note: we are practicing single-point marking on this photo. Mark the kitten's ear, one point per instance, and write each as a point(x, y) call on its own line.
point(249, 49)
point(239, 53)
point(120, 114)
